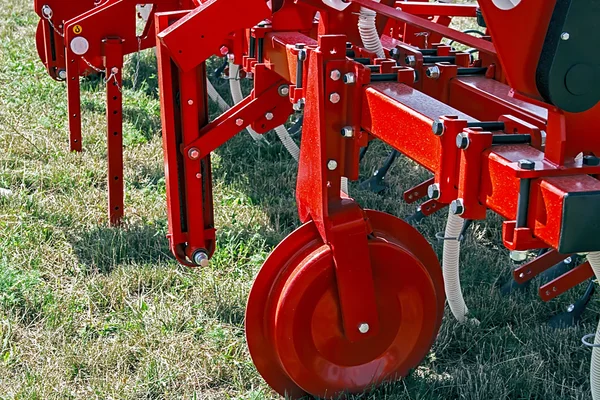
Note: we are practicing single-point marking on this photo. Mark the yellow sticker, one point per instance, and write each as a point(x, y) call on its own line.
point(77, 29)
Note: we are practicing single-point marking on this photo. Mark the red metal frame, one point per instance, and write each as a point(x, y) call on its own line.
point(428, 110)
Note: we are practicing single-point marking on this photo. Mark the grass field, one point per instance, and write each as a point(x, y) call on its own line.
point(88, 311)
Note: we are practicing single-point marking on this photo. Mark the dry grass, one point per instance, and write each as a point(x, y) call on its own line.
point(91, 312)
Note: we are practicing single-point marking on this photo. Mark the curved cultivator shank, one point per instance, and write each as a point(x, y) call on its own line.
point(501, 117)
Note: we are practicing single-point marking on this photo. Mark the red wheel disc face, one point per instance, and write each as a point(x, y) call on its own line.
point(296, 337)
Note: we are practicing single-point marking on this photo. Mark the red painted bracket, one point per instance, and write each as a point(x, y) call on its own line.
point(566, 281)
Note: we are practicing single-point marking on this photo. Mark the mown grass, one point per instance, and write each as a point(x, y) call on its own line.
point(88, 311)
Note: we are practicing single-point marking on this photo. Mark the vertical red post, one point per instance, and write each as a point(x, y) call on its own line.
point(113, 63)
point(73, 101)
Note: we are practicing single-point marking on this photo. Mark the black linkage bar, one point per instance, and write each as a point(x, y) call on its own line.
point(384, 77)
point(428, 52)
point(363, 61)
point(487, 126)
point(471, 71)
point(261, 43)
point(511, 139)
point(252, 52)
point(437, 59)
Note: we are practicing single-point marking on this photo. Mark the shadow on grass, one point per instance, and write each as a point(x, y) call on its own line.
point(104, 248)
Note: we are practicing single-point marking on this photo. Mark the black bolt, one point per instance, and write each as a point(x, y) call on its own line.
point(591, 161)
point(527, 165)
point(438, 128)
point(462, 141)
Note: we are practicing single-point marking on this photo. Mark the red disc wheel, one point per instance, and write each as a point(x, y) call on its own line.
point(293, 321)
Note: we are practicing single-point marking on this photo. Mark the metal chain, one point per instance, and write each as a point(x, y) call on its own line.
point(49, 19)
point(92, 66)
point(113, 74)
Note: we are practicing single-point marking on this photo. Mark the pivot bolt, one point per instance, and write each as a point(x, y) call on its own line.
point(364, 328)
point(269, 116)
point(47, 11)
point(332, 165)
point(284, 90)
point(62, 74)
point(335, 75)
point(335, 98)
point(350, 78)
point(239, 122)
point(411, 61)
point(194, 153)
point(433, 72)
point(201, 258)
point(591, 161)
point(433, 191)
point(462, 140)
point(347, 132)
point(438, 128)
point(527, 165)
point(565, 36)
point(457, 207)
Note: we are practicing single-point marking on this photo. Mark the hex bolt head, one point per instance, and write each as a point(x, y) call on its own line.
point(591, 161)
point(411, 61)
point(350, 78)
point(457, 207)
point(335, 75)
point(332, 165)
point(194, 153)
point(565, 36)
point(433, 191)
point(527, 165)
point(335, 98)
point(201, 258)
point(438, 128)
point(284, 90)
point(224, 50)
point(269, 116)
point(239, 122)
point(62, 74)
point(190, 102)
point(570, 308)
point(364, 328)
point(433, 72)
point(394, 52)
point(347, 132)
point(462, 140)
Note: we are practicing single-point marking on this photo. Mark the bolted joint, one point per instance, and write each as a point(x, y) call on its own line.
point(433, 191)
point(462, 140)
point(269, 116)
point(335, 98)
point(239, 122)
point(350, 78)
point(62, 74)
point(527, 165)
point(200, 258)
point(411, 61)
point(565, 36)
point(283, 90)
point(348, 132)
point(47, 11)
point(364, 328)
point(433, 72)
point(194, 153)
point(438, 128)
point(332, 165)
point(457, 207)
point(335, 75)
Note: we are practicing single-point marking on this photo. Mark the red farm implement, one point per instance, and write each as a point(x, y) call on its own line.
point(504, 121)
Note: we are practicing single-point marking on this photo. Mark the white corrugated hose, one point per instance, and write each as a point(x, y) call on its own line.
point(368, 31)
point(594, 259)
point(451, 268)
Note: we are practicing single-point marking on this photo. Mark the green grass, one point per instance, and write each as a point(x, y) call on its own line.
point(88, 311)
